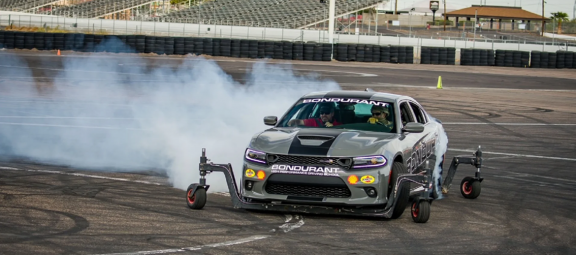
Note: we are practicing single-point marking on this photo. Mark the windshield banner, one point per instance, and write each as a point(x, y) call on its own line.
point(344, 100)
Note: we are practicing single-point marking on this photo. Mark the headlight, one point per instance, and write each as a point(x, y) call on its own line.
point(255, 156)
point(368, 161)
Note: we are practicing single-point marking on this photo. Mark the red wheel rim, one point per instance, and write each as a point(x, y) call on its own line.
point(466, 188)
point(414, 210)
point(191, 199)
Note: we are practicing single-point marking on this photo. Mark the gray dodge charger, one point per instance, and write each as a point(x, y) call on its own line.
point(339, 148)
point(343, 152)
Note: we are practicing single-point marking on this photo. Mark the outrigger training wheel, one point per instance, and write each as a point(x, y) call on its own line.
point(420, 211)
point(196, 199)
point(470, 187)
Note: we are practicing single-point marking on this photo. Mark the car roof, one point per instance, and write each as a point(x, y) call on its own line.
point(368, 95)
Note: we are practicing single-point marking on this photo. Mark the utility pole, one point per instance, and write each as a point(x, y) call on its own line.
point(445, 18)
point(331, 14)
point(395, 7)
point(542, 18)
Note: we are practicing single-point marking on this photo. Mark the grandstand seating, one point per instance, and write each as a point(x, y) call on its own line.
point(98, 8)
point(277, 13)
point(21, 5)
point(268, 13)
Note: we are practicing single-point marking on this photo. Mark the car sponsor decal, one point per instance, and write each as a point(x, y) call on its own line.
point(306, 170)
point(367, 179)
point(422, 150)
point(344, 100)
point(250, 173)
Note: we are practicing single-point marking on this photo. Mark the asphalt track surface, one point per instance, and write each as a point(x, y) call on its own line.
point(524, 120)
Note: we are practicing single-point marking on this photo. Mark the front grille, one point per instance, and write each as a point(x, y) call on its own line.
point(315, 161)
point(307, 191)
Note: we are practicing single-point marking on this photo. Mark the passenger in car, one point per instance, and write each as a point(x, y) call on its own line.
point(380, 115)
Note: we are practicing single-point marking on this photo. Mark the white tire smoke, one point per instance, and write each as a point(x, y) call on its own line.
point(117, 114)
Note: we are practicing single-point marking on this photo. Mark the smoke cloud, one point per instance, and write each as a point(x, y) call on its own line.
point(441, 148)
point(117, 114)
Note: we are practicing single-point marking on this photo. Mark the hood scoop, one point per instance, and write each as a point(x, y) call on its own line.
point(314, 140)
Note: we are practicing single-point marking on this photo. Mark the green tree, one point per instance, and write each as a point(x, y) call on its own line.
point(559, 17)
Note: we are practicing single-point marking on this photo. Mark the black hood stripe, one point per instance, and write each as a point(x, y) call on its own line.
point(321, 150)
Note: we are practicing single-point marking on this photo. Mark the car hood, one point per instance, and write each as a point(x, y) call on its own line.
point(321, 142)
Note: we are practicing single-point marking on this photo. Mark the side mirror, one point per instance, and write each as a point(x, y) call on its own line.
point(414, 127)
point(270, 120)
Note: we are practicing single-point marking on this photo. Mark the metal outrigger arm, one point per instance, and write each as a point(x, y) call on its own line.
point(475, 160)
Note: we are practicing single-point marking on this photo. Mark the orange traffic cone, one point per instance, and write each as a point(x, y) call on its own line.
point(58, 52)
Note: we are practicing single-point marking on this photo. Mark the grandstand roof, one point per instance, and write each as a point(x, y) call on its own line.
point(499, 12)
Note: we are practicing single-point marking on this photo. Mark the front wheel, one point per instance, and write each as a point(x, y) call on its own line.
point(403, 191)
point(196, 200)
point(470, 188)
point(420, 211)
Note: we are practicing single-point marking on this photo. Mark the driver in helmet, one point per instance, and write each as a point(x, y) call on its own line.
point(326, 118)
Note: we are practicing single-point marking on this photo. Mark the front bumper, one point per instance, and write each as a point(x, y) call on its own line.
point(337, 188)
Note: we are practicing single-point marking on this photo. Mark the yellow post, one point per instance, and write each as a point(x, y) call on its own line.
point(439, 82)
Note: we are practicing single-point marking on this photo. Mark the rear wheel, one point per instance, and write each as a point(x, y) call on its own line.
point(420, 211)
point(470, 188)
point(403, 191)
point(196, 200)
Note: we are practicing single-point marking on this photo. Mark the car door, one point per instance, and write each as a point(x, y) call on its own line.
point(424, 147)
point(408, 139)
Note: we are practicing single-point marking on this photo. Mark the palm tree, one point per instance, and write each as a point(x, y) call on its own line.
point(559, 16)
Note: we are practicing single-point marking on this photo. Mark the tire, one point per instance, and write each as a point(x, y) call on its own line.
point(198, 200)
point(470, 188)
point(403, 192)
point(420, 211)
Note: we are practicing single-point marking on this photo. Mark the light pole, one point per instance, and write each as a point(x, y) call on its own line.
point(475, 20)
point(445, 18)
point(411, 10)
point(542, 18)
point(434, 6)
point(331, 14)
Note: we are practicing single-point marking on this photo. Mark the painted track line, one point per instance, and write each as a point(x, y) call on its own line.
point(80, 175)
point(195, 248)
point(386, 85)
point(69, 126)
point(515, 155)
point(507, 124)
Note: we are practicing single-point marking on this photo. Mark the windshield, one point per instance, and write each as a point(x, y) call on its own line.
point(342, 113)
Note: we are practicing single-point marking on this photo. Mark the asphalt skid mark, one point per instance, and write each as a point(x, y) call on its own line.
point(24, 225)
point(195, 248)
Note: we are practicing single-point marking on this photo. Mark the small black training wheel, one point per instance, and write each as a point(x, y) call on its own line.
point(420, 211)
point(196, 200)
point(470, 188)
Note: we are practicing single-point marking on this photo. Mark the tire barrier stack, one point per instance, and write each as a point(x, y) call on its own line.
point(373, 53)
point(311, 51)
point(565, 59)
point(438, 56)
point(512, 58)
point(477, 57)
point(558, 59)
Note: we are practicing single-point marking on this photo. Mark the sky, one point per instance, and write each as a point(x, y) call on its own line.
point(534, 6)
